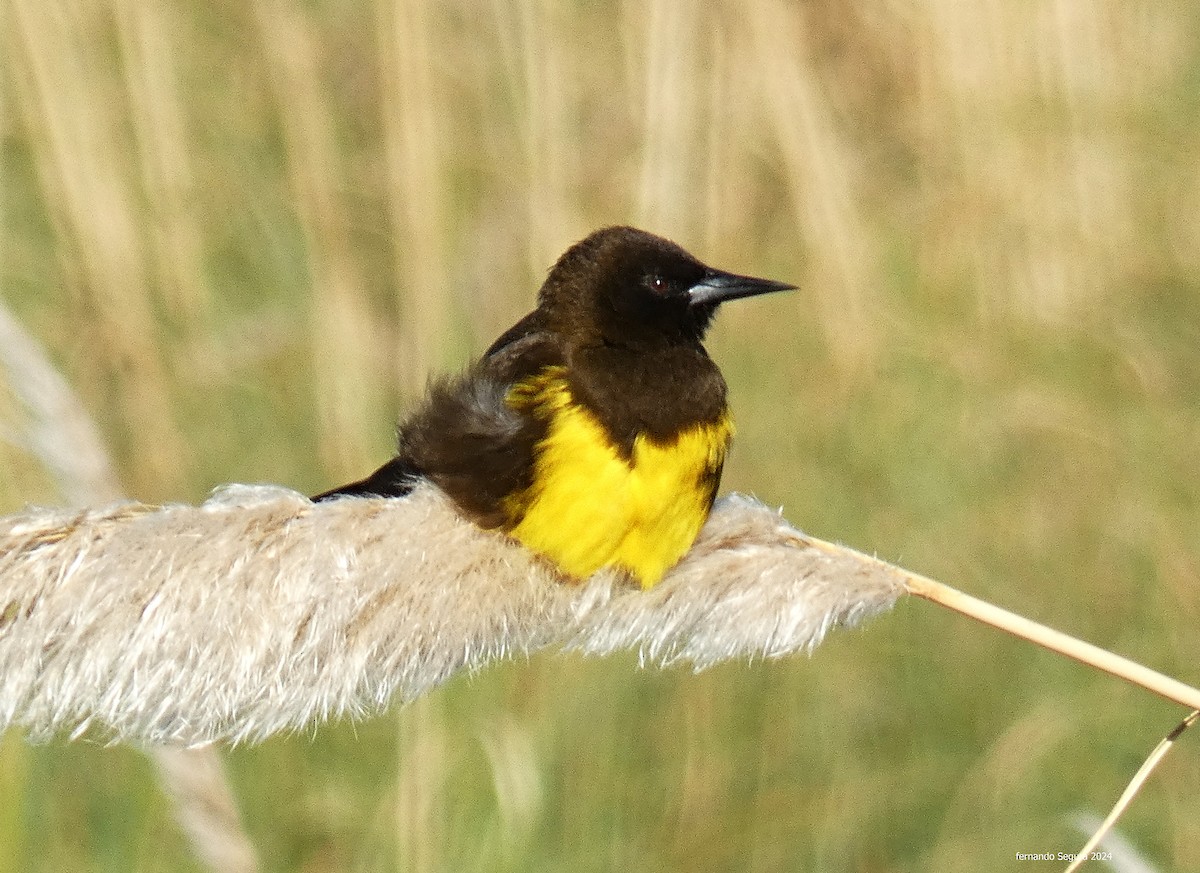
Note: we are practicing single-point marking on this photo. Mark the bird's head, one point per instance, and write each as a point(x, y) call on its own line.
point(623, 286)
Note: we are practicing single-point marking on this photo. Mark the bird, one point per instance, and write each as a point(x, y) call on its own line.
point(594, 430)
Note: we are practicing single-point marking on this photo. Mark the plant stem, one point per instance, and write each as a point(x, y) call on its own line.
point(1057, 641)
point(1026, 629)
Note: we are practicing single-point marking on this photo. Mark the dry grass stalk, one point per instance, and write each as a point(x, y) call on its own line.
point(824, 181)
point(344, 334)
point(64, 437)
point(1130, 792)
point(205, 807)
point(259, 611)
point(150, 66)
point(670, 122)
point(1057, 641)
point(1026, 629)
point(414, 144)
point(85, 181)
point(57, 428)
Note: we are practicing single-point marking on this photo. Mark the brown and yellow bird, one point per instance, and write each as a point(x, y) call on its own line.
point(594, 430)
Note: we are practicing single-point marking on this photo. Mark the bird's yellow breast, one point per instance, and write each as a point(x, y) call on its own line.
point(589, 507)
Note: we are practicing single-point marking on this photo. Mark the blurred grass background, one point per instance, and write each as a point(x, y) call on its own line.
point(248, 231)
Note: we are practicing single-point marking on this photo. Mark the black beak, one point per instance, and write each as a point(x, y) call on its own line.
point(717, 287)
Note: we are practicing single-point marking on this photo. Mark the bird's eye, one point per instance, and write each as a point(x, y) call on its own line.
point(657, 284)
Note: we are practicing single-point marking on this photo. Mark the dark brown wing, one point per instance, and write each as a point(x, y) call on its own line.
point(468, 441)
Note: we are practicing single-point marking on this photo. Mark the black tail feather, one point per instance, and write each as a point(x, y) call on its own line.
point(396, 478)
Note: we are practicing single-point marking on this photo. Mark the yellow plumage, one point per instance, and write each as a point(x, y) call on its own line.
point(589, 507)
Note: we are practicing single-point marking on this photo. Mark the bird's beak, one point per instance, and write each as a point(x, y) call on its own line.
point(717, 287)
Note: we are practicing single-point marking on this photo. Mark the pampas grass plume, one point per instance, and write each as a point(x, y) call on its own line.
point(259, 611)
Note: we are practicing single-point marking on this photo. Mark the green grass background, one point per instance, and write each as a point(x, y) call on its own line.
point(247, 232)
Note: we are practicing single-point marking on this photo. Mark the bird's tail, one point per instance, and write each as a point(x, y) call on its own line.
point(396, 478)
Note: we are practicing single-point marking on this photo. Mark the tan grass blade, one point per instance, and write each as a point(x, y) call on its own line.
point(85, 183)
point(666, 190)
point(58, 429)
point(545, 78)
point(1056, 641)
point(1026, 629)
point(823, 174)
point(205, 807)
point(418, 190)
point(156, 108)
point(345, 336)
point(1131, 791)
